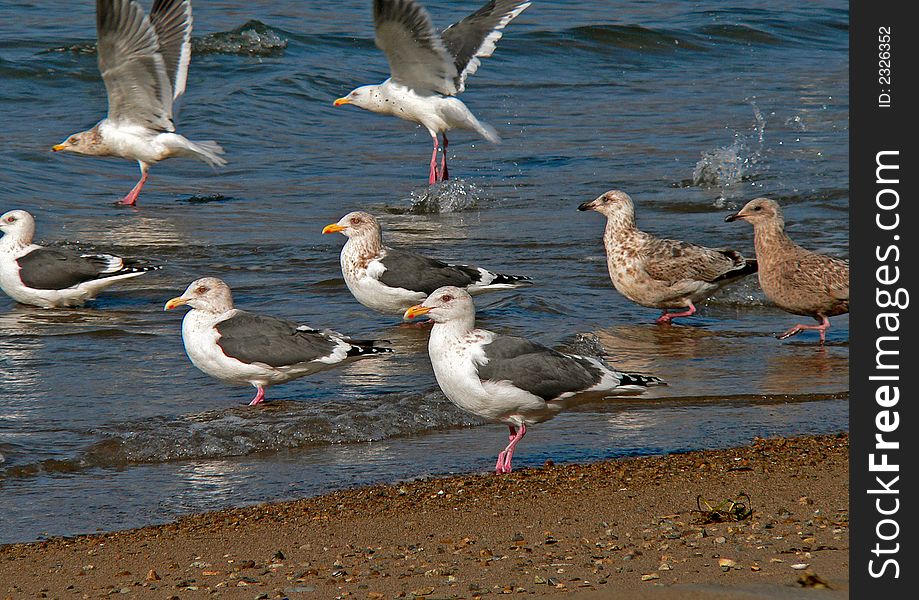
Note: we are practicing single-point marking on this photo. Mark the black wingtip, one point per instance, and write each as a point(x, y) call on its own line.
point(641, 380)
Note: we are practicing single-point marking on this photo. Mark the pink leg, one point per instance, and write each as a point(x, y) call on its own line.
point(131, 198)
point(432, 178)
point(444, 173)
point(259, 396)
point(667, 317)
point(505, 457)
point(824, 325)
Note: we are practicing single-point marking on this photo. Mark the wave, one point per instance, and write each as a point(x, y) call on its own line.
point(252, 38)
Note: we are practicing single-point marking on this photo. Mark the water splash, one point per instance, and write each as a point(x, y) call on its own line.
point(454, 195)
point(727, 166)
point(253, 38)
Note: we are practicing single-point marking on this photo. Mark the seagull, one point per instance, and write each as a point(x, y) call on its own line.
point(388, 280)
point(661, 273)
point(51, 277)
point(797, 280)
point(428, 69)
point(509, 379)
point(144, 63)
point(242, 347)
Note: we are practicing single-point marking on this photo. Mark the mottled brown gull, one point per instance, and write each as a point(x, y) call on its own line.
point(242, 347)
point(795, 279)
point(428, 69)
point(390, 280)
point(144, 64)
point(661, 273)
point(508, 379)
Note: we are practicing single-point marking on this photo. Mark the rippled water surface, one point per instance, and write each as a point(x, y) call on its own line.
point(692, 108)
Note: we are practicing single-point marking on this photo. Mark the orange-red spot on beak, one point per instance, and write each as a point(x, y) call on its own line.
point(416, 311)
point(333, 228)
point(341, 101)
point(175, 302)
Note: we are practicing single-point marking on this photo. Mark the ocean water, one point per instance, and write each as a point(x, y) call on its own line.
point(693, 108)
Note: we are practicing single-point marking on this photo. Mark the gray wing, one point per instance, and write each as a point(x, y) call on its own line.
point(542, 371)
point(134, 71)
point(252, 338)
point(172, 21)
point(415, 51)
point(52, 269)
point(419, 273)
point(672, 261)
point(475, 36)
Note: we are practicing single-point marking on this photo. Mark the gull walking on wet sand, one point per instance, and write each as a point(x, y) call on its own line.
point(242, 347)
point(53, 277)
point(390, 280)
point(144, 64)
point(510, 379)
point(795, 279)
point(428, 69)
point(661, 273)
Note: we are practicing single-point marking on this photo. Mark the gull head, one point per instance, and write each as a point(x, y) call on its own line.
point(85, 142)
point(366, 97)
point(19, 225)
point(445, 304)
point(208, 294)
point(614, 203)
point(759, 211)
point(357, 224)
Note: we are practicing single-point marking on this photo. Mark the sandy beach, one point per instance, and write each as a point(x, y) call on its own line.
point(628, 528)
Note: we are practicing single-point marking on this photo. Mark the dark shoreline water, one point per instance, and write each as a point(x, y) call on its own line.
point(691, 108)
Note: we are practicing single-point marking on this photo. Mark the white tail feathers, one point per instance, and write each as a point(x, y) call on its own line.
point(488, 132)
point(208, 152)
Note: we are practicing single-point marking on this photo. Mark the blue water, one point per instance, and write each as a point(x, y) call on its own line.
point(692, 108)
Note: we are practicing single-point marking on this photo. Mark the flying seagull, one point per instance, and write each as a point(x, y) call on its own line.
point(144, 64)
point(428, 69)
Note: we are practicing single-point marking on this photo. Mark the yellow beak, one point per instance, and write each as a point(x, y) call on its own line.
point(416, 311)
point(57, 147)
point(333, 228)
point(175, 302)
point(341, 101)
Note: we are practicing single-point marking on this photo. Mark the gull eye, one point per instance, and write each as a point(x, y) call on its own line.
point(355, 220)
point(757, 208)
point(202, 289)
point(11, 219)
point(446, 297)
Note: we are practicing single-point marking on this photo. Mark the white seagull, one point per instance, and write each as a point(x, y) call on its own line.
point(509, 379)
point(388, 280)
point(662, 273)
point(144, 64)
point(242, 347)
point(428, 69)
point(53, 277)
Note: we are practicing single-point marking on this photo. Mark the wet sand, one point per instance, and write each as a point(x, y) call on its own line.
point(627, 528)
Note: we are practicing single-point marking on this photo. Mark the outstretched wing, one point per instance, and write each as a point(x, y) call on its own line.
point(475, 37)
point(138, 85)
point(172, 21)
point(416, 54)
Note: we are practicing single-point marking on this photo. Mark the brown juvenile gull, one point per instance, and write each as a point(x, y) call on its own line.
point(661, 273)
point(795, 279)
point(390, 280)
point(509, 379)
point(428, 69)
point(53, 277)
point(144, 64)
point(242, 347)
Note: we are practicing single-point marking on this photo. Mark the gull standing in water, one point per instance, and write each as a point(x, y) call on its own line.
point(53, 277)
point(797, 280)
point(428, 69)
point(509, 379)
point(144, 64)
point(242, 347)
